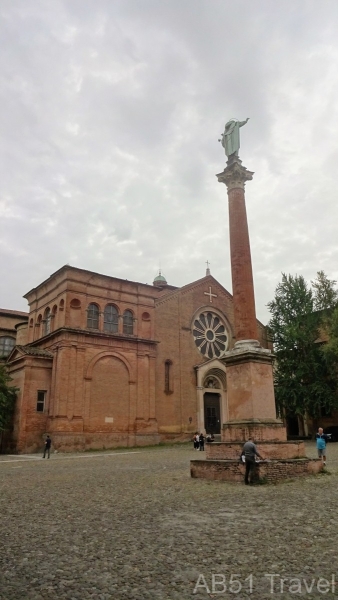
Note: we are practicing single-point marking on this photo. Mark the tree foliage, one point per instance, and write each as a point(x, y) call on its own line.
point(330, 349)
point(304, 378)
point(7, 399)
point(325, 294)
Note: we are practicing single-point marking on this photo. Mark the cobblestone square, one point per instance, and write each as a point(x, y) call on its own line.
point(132, 524)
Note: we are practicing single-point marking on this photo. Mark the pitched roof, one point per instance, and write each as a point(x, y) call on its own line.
point(15, 313)
point(34, 351)
point(69, 268)
point(189, 286)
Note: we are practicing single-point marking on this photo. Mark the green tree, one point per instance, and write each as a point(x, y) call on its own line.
point(330, 349)
point(304, 382)
point(7, 399)
point(325, 293)
point(326, 301)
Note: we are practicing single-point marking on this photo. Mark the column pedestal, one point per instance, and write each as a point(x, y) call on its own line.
point(251, 399)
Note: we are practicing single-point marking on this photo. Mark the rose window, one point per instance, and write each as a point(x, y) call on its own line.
point(210, 335)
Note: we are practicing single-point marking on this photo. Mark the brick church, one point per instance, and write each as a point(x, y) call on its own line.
point(103, 362)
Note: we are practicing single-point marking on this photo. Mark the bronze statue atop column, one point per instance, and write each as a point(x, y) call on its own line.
point(230, 137)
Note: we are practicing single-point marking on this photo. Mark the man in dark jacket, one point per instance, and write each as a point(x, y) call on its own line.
point(48, 443)
point(201, 442)
point(250, 452)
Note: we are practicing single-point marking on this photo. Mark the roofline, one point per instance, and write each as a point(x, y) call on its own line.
point(69, 267)
point(202, 364)
point(172, 293)
point(14, 313)
point(23, 353)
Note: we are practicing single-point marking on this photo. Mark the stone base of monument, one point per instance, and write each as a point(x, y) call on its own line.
point(250, 392)
point(272, 430)
point(272, 471)
point(284, 460)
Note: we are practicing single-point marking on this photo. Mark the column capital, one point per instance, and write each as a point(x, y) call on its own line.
point(234, 174)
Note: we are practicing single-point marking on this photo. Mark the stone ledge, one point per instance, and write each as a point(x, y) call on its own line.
point(271, 450)
point(270, 471)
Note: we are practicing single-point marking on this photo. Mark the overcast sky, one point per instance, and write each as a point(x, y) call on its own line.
point(110, 115)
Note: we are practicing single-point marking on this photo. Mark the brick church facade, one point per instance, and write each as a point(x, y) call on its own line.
point(104, 362)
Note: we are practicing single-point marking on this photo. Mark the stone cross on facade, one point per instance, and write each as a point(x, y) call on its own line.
point(211, 296)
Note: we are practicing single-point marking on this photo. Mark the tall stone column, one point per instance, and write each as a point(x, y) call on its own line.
point(234, 176)
point(251, 408)
point(251, 400)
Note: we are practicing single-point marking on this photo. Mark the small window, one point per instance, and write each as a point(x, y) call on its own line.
point(111, 319)
point(6, 346)
point(128, 322)
point(168, 383)
point(47, 321)
point(93, 316)
point(41, 401)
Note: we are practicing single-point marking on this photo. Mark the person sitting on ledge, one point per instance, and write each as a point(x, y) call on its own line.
point(250, 452)
point(210, 438)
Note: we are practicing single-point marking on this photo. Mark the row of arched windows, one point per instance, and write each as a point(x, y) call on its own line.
point(46, 321)
point(110, 319)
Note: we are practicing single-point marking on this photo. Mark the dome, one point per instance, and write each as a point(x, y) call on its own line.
point(160, 280)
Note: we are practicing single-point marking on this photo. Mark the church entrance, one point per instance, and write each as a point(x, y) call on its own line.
point(212, 413)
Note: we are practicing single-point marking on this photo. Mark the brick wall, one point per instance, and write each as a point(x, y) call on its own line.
point(30, 374)
point(271, 472)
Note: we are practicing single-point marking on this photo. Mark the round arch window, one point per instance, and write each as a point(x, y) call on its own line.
point(210, 335)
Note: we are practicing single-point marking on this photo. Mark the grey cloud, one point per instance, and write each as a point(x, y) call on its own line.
point(109, 127)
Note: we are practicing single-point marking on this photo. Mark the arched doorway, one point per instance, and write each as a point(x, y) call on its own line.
point(212, 409)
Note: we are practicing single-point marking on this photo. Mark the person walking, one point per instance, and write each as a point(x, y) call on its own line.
point(48, 443)
point(250, 452)
point(201, 438)
point(321, 440)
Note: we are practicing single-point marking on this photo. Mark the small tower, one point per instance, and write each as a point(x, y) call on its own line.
point(160, 280)
point(208, 268)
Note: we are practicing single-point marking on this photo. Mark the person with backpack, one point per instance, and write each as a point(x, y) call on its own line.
point(321, 440)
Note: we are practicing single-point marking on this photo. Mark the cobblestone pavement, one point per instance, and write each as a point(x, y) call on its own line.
point(134, 525)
